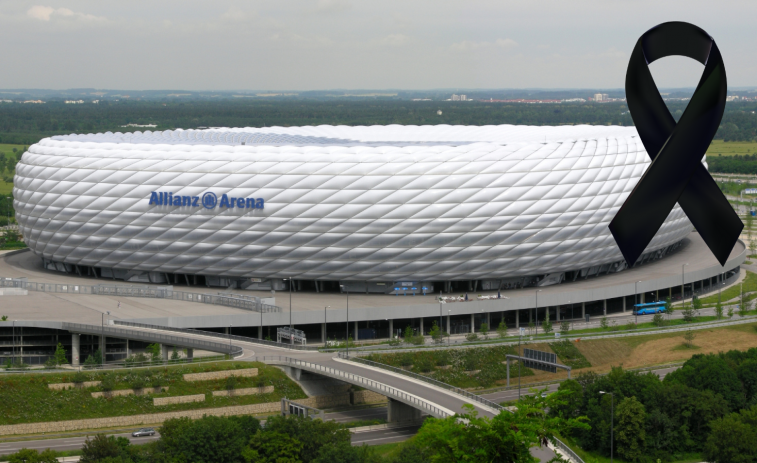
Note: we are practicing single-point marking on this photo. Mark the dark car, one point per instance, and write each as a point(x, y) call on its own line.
point(143, 432)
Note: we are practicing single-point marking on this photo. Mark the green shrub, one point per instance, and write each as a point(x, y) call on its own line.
point(570, 355)
point(108, 382)
point(137, 382)
point(78, 378)
point(423, 364)
point(231, 383)
point(471, 337)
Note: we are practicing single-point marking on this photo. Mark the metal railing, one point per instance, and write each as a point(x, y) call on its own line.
point(425, 379)
point(251, 303)
point(214, 335)
point(160, 338)
point(563, 446)
point(375, 386)
point(291, 334)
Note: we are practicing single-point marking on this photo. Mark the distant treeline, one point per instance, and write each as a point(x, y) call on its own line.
point(746, 164)
point(27, 123)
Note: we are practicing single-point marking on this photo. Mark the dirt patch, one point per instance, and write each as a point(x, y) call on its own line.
point(666, 350)
point(604, 351)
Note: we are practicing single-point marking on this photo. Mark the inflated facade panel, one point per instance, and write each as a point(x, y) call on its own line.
point(378, 203)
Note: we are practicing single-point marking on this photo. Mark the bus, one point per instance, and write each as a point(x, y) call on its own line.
point(649, 308)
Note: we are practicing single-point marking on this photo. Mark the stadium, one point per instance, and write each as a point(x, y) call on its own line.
point(378, 209)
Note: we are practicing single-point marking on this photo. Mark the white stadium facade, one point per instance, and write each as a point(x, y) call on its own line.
point(376, 209)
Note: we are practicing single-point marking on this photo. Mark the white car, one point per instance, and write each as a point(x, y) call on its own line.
point(143, 432)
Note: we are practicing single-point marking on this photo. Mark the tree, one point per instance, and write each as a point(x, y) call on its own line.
point(546, 324)
point(731, 440)
point(211, 438)
point(502, 329)
point(668, 305)
point(347, 453)
point(688, 313)
point(436, 334)
point(689, 338)
point(484, 330)
point(175, 354)
point(710, 372)
point(90, 362)
point(658, 319)
point(719, 310)
point(730, 311)
point(630, 435)
point(312, 434)
point(60, 355)
point(272, 447)
point(564, 326)
point(696, 304)
point(744, 304)
point(102, 447)
point(4, 318)
point(154, 351)
point(603, 323)
point(507, 437)
point(32, 456)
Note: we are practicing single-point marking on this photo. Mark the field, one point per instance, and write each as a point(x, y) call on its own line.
point(27, 399)
point(731, 148)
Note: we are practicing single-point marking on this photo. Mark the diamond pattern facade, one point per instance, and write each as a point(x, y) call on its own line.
point(340, 203)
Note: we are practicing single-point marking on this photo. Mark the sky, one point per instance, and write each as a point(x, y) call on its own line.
point(351, 44)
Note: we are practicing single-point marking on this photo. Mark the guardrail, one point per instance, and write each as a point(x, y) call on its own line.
point(425, 379)
point(375, 386)
point(153, 337)
point(158, 292)
point(212, 334)
point(564, 447)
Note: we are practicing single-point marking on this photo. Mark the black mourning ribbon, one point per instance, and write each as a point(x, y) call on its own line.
point(676, 150)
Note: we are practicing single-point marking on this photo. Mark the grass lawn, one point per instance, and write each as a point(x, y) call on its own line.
point(731, 148)
point(27, 399)
point(750, 284)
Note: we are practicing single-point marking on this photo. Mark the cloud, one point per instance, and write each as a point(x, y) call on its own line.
point(468, 45)
point(47, 13)
point(332, 6)
point(393, 40)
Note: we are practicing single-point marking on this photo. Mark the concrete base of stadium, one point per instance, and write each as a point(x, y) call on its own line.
point(689, 269)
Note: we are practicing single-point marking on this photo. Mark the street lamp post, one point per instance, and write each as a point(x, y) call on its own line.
point(683, 287)
point(635, 298)
point(536, 311)
point(102, 337)
point(347, 339)
point(325, 325)
point(612, 420)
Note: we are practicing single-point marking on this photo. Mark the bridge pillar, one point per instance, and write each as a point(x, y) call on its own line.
point(355, 335)
point(583, 311)
point(75, 349)
point(421, 333)
point(472, 323)
point(517, 319)
point(398, 412)
point(557, 313)
point(164, 352)
point(323, 333)
point(604, 306)
point(624, 303)
point(448, 325)
point(391, 328)
point(190, 354)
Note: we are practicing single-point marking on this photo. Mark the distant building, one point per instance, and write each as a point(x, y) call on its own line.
point(74, 101)
point(732, 98)
point(34, 101)
point(600, 97)
point(455, 97)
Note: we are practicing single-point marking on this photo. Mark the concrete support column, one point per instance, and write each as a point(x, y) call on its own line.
point(448, 325)
point(323, 332)
point(164, 352)
point(354, 337)
point(260, 332)
point(517, 319)
point(422, 332)
point(624, 303)
point(391, 328)
point(190, 354)
point(557, 313)
point(128, 349)
point(530, 317)
point(657, 295)
point(472, 323)
point(103, 346)
point(489, 320)
point(670, 293)
point(398, 412)
point(75, 349)
point(583, 311)
point(604, 306)
point(642, 298)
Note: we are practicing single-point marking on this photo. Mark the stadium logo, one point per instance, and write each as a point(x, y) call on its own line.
point(209, 201)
